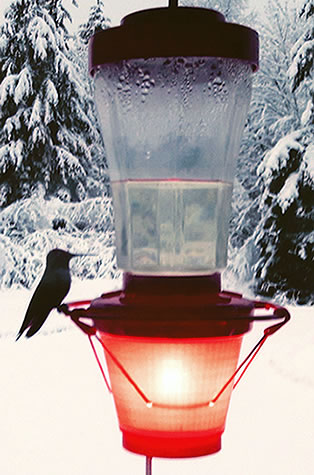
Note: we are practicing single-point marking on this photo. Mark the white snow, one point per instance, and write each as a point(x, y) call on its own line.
point(278, 156)
point(51, 92)
point(304, 53)
point(24, 85)
point(67, 161)
point(289, 192)
point(19, 145)
point(35, 118)
point(307, 114)
point(7, 87)
point(42, 37)
point(308, 161)
point(58, 418)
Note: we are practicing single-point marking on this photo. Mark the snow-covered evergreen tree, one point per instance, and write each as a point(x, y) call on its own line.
point(233, 10)
point(285, 234)
point(274, 111)
point(97, 21)
point(301, 69)
point(46, 134)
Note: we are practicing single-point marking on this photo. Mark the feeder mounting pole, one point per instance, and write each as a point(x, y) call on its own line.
point(173, 3)
point(148, 465)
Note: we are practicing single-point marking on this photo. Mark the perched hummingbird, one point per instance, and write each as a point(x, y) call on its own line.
point(51, 290)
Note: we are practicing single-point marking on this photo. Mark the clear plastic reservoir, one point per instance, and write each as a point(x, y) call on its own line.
point(172, 226)
point(172, 129)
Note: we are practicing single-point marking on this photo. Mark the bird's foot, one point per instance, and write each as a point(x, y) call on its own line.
point(63, 308)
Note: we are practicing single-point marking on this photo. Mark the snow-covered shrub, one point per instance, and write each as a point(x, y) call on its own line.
point(30, 228)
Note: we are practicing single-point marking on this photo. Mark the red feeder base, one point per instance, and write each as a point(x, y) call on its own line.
point(173, 444)
point(172, 346)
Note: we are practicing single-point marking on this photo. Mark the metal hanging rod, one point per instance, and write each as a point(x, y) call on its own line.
point(148, 465)
point(173, 3)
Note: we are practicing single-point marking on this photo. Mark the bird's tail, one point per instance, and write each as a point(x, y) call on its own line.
point(22, 330)
point(18, 335)
point(34, 328)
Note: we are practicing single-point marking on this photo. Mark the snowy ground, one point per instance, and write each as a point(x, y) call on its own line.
point(57, 417)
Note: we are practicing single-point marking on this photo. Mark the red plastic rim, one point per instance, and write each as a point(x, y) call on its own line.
point(171, 445)
point(171, 306)
point(175, 307)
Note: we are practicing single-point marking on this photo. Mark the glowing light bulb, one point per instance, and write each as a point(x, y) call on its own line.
point(172, 378)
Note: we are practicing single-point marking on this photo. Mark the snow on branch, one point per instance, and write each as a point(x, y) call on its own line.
point(11, 153)
point(282, 125)
point(289, 192)
point(67, 161)
point(308, 113)
point(278, 156)
point(38, 134)
point(3, 42)
point(4, 157)
point(51, 92)
point(303, 55)
point(308, 162)
point(35, 118)
point(19, 148)
point(24, 86)
point(65, 66)
point(41, 37)
point(12, 124)
point(7, 87)
point(73, 142)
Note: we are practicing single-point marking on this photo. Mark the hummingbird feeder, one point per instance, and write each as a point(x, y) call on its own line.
point(172, 89)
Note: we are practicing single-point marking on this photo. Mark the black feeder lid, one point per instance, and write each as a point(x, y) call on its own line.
point(168, 32)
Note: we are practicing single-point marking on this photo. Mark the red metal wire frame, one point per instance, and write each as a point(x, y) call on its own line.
point(99, 363)
point(246, 363)
point(147, 401)
point(279, 312)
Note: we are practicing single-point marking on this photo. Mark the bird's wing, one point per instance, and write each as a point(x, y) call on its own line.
point(44, 299)
point(35, 306)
